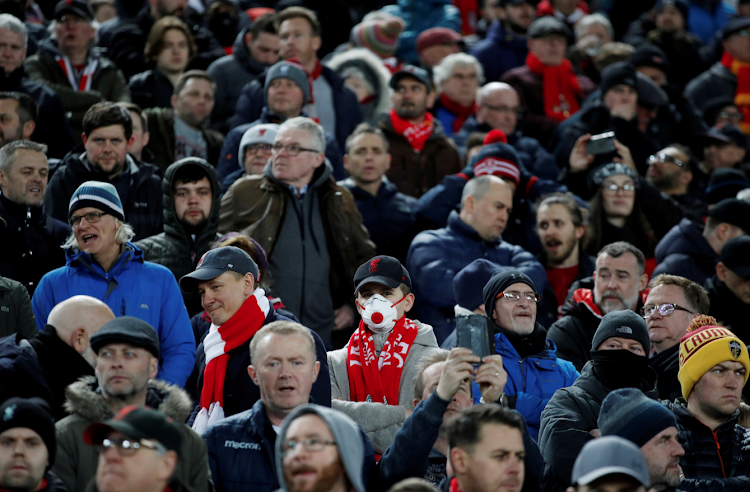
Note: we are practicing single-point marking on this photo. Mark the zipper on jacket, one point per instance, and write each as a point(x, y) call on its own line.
point(523, 375)
point(718, 452)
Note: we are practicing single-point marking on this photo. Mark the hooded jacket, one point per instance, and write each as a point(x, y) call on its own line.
point(16, 315)
point(175, 248)
point(132, 287)
point(728, 309)
point(151, 89)
point(380, 422)
point(715, 82)
point(685, 252)
point(76, 461)
point(500, 51)
point(366, 62)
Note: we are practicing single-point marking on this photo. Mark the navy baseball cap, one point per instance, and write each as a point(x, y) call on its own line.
point(218, 261)
point(411, 71)
point(728, 134)
point(736, 256)
point(610, 455)
point(137, 422)
point(385, 270)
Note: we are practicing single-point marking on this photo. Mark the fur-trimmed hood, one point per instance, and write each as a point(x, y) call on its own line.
point(377, 75)
point(84, 398)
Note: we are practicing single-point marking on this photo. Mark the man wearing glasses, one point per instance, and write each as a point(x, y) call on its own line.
point(308, 225)
point(670, 170)
point(672, 303)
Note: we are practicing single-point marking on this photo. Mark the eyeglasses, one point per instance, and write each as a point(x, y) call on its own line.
point(514, 296)
point(291, 149)
point(312, 445)
point(254, 148)
point(502, 109)
point(731, 115)
point(664, 310)
point(127, 447)
point(662, 158)
point(91, 218)
point(613, 188)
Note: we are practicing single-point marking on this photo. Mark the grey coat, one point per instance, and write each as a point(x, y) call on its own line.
point(16, 315)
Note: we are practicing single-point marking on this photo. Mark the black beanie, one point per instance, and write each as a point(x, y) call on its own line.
point(622, 324)
point(630, 414)
point(499, 282)
point(620, 73)
point(32, 413)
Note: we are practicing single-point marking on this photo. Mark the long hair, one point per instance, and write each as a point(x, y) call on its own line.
point(123, 235)
point(636, 222)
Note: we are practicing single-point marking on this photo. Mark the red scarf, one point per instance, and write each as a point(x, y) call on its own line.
point(462, 112)
point(378, 384)
point(560, 87)
point(218, 343)
point(453, 486)
point(742, 95)
point(79, 80)
point(415, 134)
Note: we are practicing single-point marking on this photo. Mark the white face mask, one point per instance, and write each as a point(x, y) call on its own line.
point(379, 314)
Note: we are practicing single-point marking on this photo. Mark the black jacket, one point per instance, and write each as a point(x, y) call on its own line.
point(142, 204)
point(567, 420)
point(16, 314)
point(151, 89)
point(728, 309)
point(685, 252)
point(30, 243)
point(20, 372)
point(667, 365)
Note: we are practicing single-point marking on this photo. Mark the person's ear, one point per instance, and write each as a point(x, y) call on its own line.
point(253, 375)
point(387, 162)
point(83, 137)
point(721, 271)
point(154, 370)
point(173, 101)
point(416, 402)
point(79, 340)
point(316, 371)
point(430, 100)
point(28, 129)
point(146, 138)
point(130, 141)
point(580, 231)
point(316, 43)
point(408, 302)
point(643, 282)
point(459, 459)
point(346, 162)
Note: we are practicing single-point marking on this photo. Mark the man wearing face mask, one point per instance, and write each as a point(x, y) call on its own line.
point(619, 360)
point(372, 377)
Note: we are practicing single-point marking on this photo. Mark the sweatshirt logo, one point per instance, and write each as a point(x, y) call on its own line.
point(242, 445)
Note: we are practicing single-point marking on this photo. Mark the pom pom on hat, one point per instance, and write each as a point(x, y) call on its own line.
point(495, 136)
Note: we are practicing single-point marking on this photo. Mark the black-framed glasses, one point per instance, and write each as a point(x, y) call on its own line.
point(127, 447)
point(664, 309)
point(515, 296)
point(254, 148)
point(291, 149)
point(503, 109)
point(613, 188)
point(312, 445)
point(663, 158)
point(731, 115)
point(91, 218)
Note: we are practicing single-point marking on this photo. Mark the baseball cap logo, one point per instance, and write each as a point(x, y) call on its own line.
point(374, 265)
point(735, 349)
point(262, 131)
point(201, 260)
point(230, 265)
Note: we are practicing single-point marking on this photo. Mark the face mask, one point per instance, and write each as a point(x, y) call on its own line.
point(379, 314)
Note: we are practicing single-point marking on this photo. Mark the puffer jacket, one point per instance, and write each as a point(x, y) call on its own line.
point(175, 248)
point(685, 252)
point(500, 51)
point(436, 256)
point(76, 461)
point(534, 379)
point(107, 84)
point(131, 287)
point(421, 15)
point(375, 74)
point(16, 315)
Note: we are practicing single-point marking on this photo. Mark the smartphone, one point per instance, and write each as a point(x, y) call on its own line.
point(473, 332)
point(604, 143)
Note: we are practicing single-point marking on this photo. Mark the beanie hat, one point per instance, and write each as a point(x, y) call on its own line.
point(501, 281)
point(622, 324)
point(705, 345)
point(620, 73)
point(725, 182)
point(291, 71)
point(681, 5)
point(98, 195)
point(499, 159)
point(628, 413)
point(469, 283)
point(34, 414)
point(379, 36)
point(611, 169)
point(649, 55)
point(265, 133)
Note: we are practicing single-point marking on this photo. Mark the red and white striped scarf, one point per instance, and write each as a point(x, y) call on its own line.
point(79, 82)
point(218, 343)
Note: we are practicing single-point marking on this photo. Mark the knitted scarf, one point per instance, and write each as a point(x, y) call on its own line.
point(378, 384)
point(79, 81)
point(221, 340)
point(561, 88)
point(417, 135)
point(742, 95)
point(462, 112)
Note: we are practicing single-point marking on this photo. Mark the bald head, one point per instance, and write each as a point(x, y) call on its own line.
point(498, 106)
point(76, 319)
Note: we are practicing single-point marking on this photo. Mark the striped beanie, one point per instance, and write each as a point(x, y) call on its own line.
point(499, 159)
point(630, 414)
point(99, 195)
point(378, 36)
point(705, 345)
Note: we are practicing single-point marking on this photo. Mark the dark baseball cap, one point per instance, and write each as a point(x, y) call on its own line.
point(78, 7)
point(736, 256)
point(218, 261)
point(610, 455)
point(728, 134)
point(385, 270)
point(735, 25)
point(411, 71)
point(732, 211)
point(544, 26)
point(649, 55)
point(137, 422)
point(127, 329)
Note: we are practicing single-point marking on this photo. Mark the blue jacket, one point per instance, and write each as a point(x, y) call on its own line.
point(242, 457)
point(685, 252)
point(435, 257)
point(534, 379)
point(704, 22)
point(132, 287)
point(500, 51)
point(421, 15)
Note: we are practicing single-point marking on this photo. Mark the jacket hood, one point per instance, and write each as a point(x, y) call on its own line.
point(377, 75)
point(685, 238)
point(171, 224)
point(84, 398)
point(320, 176)
point(345, 432)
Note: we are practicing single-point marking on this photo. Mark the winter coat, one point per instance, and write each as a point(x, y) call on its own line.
point(161, 127)
point(715, 82)
point(435, 257)
point(16, 315)
point(534, 379)
point(151, 89)
point(128, 41)
point(30, 245)
point(242, 455)
point(107, 84)
point(387, 216)
point(20, 372)
point(380, 422)
point(683, 52)
point(348, 113)
point(500, 51)
point(728, 309)
point(175, 248)
point(375, 73)
point(231, 73)
point(76, 461)
point(566, 422)
point(419, 16)
point(416, 172)
point(685, 252)
point(131, 287)
point(142, 205)
point(667, 364)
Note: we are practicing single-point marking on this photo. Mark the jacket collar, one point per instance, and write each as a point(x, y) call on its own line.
point(460, 227)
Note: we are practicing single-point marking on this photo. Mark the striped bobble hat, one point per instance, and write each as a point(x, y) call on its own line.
point(378, 36)
point(99, 195)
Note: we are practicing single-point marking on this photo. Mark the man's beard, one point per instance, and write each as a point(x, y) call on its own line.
point(611, 306)
point(664, 182)
point(17, 136)
point(568, 246)
point(328, 476)
point(412, 112)
point(194, 228)
point(16, 484)
point(662, 478)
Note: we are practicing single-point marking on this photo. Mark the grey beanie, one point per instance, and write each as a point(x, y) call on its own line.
point(291, 71)
point(628, 413)
point(346, 433)
point(622, 324)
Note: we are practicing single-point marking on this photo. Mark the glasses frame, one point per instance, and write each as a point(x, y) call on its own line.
point(730, 115)
point(664, 158)
point(667, 306)
point(91, 218)
point(254, 148)
point(311, 445)
point(514, 296)
point(276, 148)
point(128, 447)
point(613, 188)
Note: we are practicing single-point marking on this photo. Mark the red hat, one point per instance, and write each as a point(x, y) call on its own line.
point(435, 36)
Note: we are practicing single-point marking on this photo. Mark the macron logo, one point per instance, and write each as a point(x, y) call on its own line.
point(242, 445)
